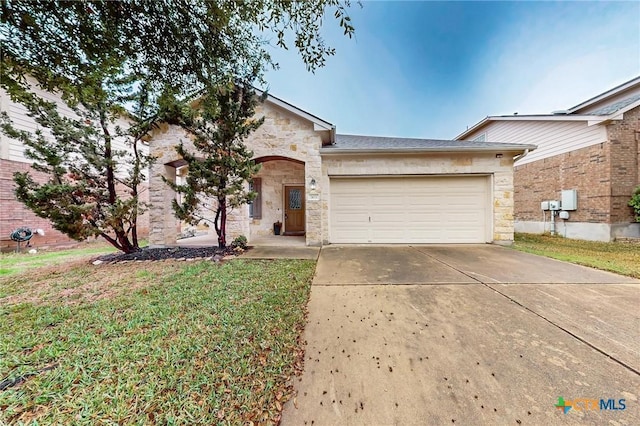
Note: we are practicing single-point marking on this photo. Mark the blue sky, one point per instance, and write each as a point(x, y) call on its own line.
point(430, 69)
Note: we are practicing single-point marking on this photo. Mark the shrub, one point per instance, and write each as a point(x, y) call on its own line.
point(239, 242)
point(635, 203)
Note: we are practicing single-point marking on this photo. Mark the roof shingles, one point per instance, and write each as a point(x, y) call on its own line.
point(615, 107)
point(356, 143)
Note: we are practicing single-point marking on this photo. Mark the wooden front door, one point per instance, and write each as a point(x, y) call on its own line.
point(294, 210)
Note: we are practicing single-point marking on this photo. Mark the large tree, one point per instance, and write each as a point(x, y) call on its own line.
point(220, 164)
point(93, 184)
point(104, 56)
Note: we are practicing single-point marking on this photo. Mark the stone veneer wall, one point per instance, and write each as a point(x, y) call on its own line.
point(283, 134)
point(275, 175)
point(286, 135)
point(432, 164)
point(13, 214)
point(163, 225)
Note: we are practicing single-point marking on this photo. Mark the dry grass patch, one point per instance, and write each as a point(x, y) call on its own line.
point(80, 282)
point(152, 343)
point(16, 263)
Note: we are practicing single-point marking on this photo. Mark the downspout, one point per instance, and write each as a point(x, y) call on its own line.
point(521, 156)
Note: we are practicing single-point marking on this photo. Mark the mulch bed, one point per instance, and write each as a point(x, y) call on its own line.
point(179, 253)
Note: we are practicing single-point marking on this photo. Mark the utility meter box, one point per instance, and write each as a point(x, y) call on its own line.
point(569, 199)
point(564, 215)
point(554, 205)
point(544, 205)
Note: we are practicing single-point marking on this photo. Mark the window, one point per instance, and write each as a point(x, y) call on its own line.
point(255, 207)
point(480, 138)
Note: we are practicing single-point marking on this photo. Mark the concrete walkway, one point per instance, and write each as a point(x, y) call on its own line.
point(267, 247)
point(280, 252)
point(465, 335)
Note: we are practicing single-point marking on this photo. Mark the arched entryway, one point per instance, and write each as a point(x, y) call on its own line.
point(281, 203)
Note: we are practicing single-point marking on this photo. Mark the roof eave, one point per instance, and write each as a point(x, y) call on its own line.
point(479, 125)
point(602, 96)
point(319, 124)
point(573, 117)
point(347, 151)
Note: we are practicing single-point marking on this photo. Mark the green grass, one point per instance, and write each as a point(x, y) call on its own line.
point(620, 258)
point(165, 342)
point(14, 263)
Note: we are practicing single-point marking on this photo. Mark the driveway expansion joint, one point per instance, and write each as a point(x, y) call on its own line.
point(580, 339)
point(575, 336)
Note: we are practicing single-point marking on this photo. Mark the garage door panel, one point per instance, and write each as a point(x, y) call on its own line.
point(409, 210)
point(386, 202)
point(354, 219)
point(428, 218)
point(353, 200)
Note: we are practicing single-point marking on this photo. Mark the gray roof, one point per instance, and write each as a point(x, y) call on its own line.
point(610, 109)
point(356, 143)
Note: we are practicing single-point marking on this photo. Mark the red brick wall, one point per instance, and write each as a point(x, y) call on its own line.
point(14, 214)
point(587, 170)
point(623, 137)
point(605, 176)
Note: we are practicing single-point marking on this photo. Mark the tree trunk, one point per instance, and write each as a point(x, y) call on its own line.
point(222, 234)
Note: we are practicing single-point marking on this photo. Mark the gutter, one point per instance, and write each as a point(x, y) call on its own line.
point(521, 156)
point(346, 151)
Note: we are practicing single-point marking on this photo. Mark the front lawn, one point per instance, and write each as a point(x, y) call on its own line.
point(145, 343)
point(13, 263)
point(621, 258)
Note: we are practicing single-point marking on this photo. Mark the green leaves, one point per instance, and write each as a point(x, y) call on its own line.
point(89, 169)
point(142, 61)
point(221, 164)
point(635, 203)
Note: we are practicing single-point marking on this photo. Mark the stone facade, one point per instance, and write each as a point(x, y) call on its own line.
point(288, 146)
point(163, 225)
point(275, 175)
point(604, 176)
point(284, 141)
point(499, 169)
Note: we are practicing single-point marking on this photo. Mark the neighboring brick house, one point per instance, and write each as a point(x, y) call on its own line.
point(591, 148)
point(14, 214)
point(354, 189)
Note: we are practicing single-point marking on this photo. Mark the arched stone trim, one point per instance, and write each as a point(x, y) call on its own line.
point(266, 158)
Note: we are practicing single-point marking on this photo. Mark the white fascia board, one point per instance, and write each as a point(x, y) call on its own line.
point(546, 117)
point(319, 128)
point(575, 117)
point(318, 123)
point(609, 93)
point(605, 119)
point(342, 152)
point(472, 129)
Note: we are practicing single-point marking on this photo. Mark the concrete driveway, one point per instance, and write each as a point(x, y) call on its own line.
point(420, 335)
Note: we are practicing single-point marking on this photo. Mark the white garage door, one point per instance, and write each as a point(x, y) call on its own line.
point(448, 209)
